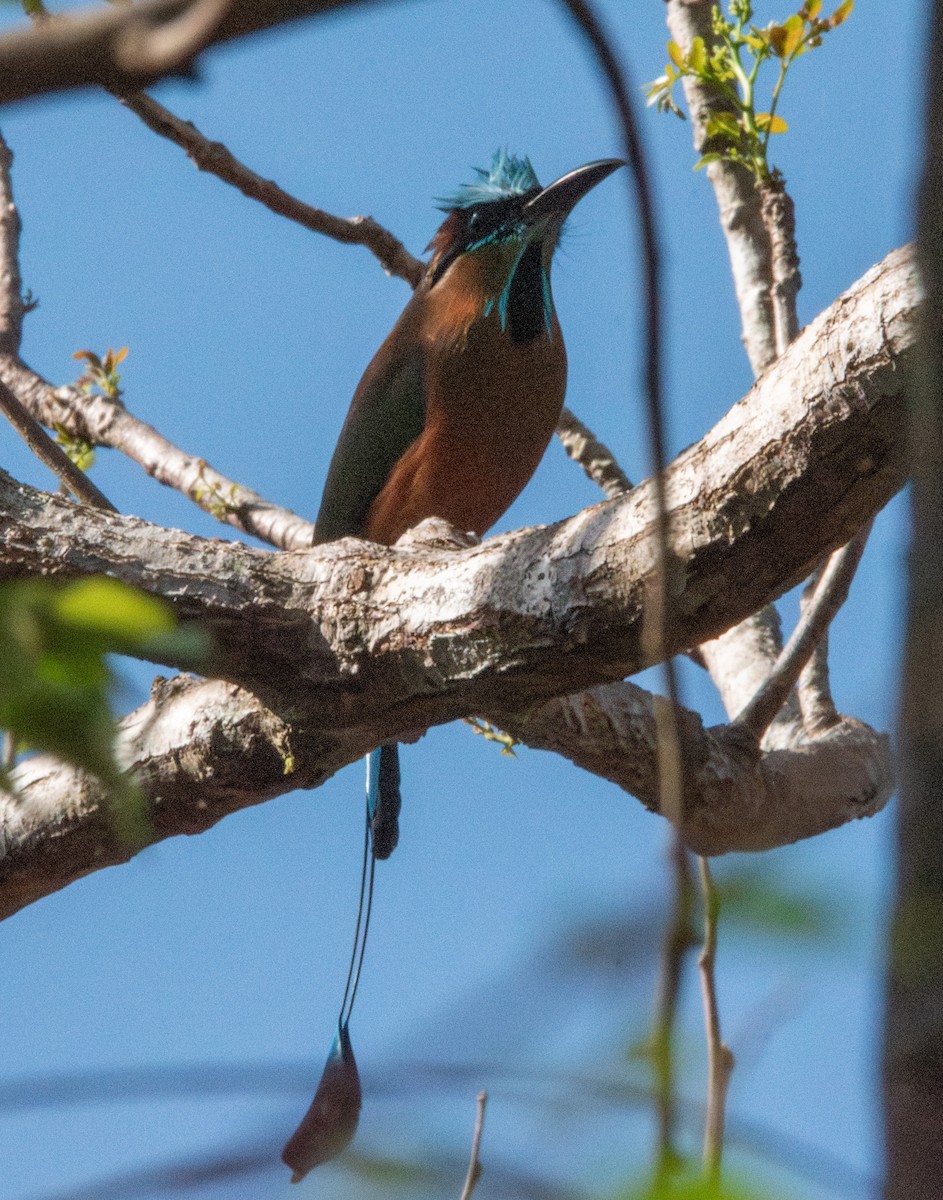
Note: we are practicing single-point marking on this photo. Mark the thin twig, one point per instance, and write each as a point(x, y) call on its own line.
point(46, 450)
point(677, 940)
point(216, 159)
point(474, 1165)
point(671, 785)
point(12, 311)
point(720, 1059)
point(829, 595)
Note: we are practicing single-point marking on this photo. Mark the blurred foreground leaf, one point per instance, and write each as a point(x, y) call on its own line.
point(56, 682)
point(756, 902)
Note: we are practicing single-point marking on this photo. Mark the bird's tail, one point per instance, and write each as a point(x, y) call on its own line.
point(331, 1121)
point(383, 799)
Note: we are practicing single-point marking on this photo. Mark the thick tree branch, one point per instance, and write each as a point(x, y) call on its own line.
point(353, 643)
point(120, 47)
point(790, 472)
point(163, 49)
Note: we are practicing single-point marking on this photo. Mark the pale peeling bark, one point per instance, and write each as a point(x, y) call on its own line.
point(352, 643)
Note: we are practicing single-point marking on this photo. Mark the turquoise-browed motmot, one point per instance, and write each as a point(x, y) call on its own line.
point(450, 420)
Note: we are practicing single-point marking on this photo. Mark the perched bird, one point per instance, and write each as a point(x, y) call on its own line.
point(450, 420)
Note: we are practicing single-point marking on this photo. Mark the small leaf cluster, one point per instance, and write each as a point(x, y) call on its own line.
point(101, 374)
point(79, 449)
point(491, 733)
point(210, 496)
point(730, 66)
point(99, 377)
point(56, 680)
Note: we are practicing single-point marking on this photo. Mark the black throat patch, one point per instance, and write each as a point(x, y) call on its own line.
point(526, 317)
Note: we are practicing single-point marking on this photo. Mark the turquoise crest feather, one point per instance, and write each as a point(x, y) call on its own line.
point(509, 176)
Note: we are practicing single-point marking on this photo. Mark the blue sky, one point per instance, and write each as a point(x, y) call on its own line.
point(247, 337)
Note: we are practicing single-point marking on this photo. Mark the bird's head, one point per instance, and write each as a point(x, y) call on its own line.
point(511, 225)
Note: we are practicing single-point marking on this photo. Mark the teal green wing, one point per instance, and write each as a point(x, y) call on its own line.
point(386, 416)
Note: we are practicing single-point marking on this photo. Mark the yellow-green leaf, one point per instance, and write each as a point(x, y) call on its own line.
point(109, 608)
point(795, 32)
point(676, 54)
point(723, 124)
point(811, 8)
point(842, 13)
point(770, 124)
point(697, 55)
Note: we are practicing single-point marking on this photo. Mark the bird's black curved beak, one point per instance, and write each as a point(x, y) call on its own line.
point(566, 192)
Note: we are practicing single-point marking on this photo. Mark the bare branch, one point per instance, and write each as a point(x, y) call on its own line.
point(677, 940)
point(736, 798)
point(12, 311)
point(12, 307)
point(670, 750)
point(719, 1055)
point(216, 159)
point(90, 47)
point(106, 422)
point(596, 459)
point(474, 1165)
point(913, 1022)
point(757, 500)
point(827, 592)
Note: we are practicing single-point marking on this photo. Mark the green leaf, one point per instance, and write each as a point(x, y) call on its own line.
point(811, 8)
point(705, 159)
point(676, 54)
